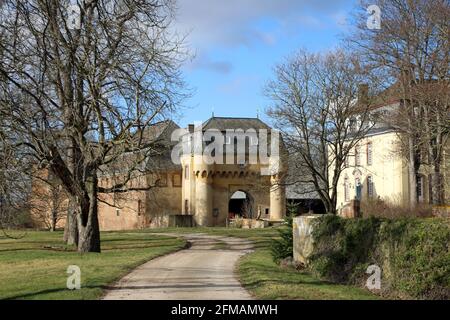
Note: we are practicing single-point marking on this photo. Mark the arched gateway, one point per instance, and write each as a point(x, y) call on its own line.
point(241, 205)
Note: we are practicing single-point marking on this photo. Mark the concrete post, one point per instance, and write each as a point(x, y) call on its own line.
point(303, 245)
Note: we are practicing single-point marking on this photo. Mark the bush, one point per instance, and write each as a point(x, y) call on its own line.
point(238, 222)
point(385, 209)
point(412, 253)
point(283, 248)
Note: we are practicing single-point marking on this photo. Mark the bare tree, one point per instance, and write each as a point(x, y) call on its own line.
point(48, 203)
point(412, 50)
point(90, 78)
point(316, 107)
point(14, 186)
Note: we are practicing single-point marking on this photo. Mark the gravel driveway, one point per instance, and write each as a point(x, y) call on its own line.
point(205, 271)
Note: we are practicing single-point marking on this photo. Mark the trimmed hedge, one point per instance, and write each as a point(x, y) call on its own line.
point(412, 253)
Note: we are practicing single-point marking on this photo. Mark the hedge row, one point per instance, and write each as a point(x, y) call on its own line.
point(413, 254)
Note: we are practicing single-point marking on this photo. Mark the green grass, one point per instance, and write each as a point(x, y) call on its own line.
point(35, 266)
point(266, 280)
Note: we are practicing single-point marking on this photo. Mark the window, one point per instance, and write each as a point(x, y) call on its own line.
point(267, 211)
point(358, 188)
point(161, 180)
point(370, 188)
point(430, 189)
point(369, 154)
point(420, 188)
point(117, 212)
point(353, 124)
point(186, 172)
point(176, 180)
point(357, 156)
point(139, 207)
point(186, 206)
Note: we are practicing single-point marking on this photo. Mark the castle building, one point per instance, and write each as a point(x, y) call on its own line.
point(377, 169)
point(204, 175)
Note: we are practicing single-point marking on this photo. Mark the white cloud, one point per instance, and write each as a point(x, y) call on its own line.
point(233, 23)
point(204, 61)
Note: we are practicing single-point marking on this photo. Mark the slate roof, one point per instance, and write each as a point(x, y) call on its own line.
point(298, 172)
point(223, 123)
point(160, 132)
point(156, 142)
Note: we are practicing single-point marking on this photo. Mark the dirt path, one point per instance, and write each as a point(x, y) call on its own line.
point(205, 271)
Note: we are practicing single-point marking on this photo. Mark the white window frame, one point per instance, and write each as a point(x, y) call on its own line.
point(369, 153)
point(370, 187)
point(357, 156)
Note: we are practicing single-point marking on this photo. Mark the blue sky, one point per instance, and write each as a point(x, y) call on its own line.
point(236, 44)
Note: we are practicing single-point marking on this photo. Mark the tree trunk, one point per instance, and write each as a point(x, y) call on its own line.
point(88, 228)
point(54, 218)
point(437, 186)
point(412, 173)
point(71, 227)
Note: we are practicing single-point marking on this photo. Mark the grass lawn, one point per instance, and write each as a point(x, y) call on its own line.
point(266, 280)
point(35, 266)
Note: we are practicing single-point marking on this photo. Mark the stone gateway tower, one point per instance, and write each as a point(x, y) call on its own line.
point(243, 179)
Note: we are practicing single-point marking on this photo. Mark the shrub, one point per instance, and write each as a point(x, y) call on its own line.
point(385, 209)
point(283, 248)
point(412, 253)
point(238, 222)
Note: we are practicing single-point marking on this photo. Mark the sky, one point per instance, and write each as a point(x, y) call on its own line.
point(236, 43)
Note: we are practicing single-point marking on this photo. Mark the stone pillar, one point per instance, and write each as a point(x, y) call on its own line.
point(277, 199)
point(302, 235)
point(203, 200)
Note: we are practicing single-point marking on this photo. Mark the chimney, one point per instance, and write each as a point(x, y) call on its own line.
point(363, 94)
point(191, 128)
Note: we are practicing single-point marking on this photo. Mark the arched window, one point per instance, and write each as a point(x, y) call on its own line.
point(358, 188)
point(370, 187)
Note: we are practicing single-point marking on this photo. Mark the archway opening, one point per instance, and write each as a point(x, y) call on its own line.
point(240, 205)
